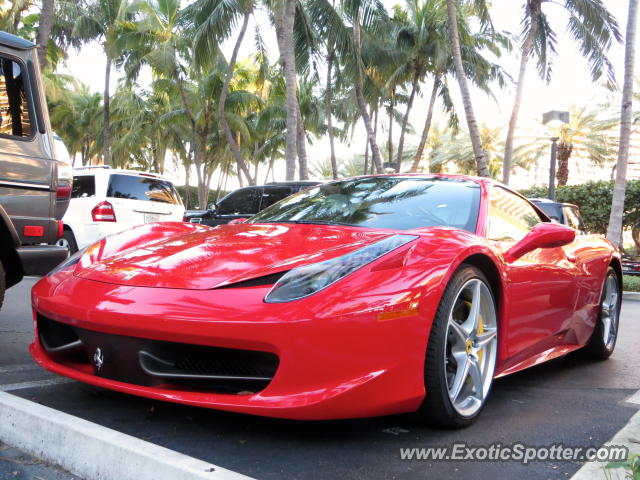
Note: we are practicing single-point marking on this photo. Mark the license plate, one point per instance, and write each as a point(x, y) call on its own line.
point(151, 217)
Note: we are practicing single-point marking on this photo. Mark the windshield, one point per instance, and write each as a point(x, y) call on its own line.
point(393, 202)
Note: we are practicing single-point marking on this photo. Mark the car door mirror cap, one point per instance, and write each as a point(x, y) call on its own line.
point(543, 235)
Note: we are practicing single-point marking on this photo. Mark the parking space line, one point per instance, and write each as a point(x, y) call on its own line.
point(627, 436)
point(11, 387)
point(635, 398)
point(19, 368)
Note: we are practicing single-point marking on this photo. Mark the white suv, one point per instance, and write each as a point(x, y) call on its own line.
point(106, 201)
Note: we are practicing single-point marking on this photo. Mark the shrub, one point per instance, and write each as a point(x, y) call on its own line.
point(594, 201)
point(631, 283)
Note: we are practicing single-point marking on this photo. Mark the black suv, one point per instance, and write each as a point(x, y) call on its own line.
point(246, 202)
point(565, 213)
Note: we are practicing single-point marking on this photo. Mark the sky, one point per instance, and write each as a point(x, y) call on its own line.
point(571, 83)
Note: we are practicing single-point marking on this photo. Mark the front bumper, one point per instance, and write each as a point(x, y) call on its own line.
point(334, 362)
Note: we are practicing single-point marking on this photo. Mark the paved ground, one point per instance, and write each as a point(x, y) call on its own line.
point(15, 465)
point(570, 401)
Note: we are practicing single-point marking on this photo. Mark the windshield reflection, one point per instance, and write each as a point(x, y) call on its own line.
point(393, 202)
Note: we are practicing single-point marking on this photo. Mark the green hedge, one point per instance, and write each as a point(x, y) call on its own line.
point(594, 201)
point(631, 283)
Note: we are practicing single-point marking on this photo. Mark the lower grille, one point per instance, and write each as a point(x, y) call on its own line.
point(157, 363)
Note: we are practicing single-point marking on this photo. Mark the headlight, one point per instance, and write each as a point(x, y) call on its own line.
point(304, 281)
point(72, 260)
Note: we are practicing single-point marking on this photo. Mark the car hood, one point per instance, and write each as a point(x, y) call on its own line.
point(191, 256)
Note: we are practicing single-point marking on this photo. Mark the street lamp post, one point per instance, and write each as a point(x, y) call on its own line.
point(554, 118)
point(552, 168)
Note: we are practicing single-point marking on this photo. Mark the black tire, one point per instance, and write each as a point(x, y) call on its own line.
point(437, 409)
point(597, 349)
point(70, 240)
point(3, 284)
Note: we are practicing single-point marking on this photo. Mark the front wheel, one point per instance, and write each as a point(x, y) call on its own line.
point(605, 333)
point(461, 352)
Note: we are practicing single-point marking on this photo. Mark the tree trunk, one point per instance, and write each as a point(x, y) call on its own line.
point(474, 133)
point(270, 169)
point(564, 153)
point(427, 127)
point(366, 156)
point(187, 189)
point(374, 114)
point(301, 146)
point(390, 132)
point(405, 120)
point(376, 158)
point(635, 234)
point(614, 232)
point(233, 146)
point(154, 154)
point(106, 130)
point(533, 12)
point(329, 106)
point(44, 31)
point(284, 32)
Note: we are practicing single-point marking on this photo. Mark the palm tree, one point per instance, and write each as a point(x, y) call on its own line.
point(587, 134)
point(223, 98)
point(448, 148)
point(44, 30)
point(284, 13)
point(100, 20)
point(76, 115)
point(474, 133)
point(614, 231)
point(10, 18)
point(429, 31)
point(590, 25)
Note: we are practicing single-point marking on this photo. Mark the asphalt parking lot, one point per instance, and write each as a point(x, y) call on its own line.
point(570, 400)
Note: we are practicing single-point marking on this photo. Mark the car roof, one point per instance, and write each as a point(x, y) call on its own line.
point(550, 202)
point(13, 41)
point(103, 170)
point(301, 183)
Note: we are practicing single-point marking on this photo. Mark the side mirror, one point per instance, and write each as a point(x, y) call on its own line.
point(237, 220)
point(212, 207)
point(543, 235)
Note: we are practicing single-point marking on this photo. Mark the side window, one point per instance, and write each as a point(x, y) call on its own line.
point(510, 217)
point(14, 109)
point(272, 195)
point(573, 218)
point(240, 202)
point(134, 187)
point(84, 186)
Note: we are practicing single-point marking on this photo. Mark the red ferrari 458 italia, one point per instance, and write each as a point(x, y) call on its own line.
point(361, 297)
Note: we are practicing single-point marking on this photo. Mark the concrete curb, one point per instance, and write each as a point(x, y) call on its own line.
point(631, 295)
point(629, 436)
point(92, 451)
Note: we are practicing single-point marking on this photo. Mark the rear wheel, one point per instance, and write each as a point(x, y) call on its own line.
point(604, 336)
point(461, 352)
point(68, 240)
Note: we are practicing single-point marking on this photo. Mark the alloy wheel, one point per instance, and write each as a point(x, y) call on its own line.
point(609, 311)
point(472, 340)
